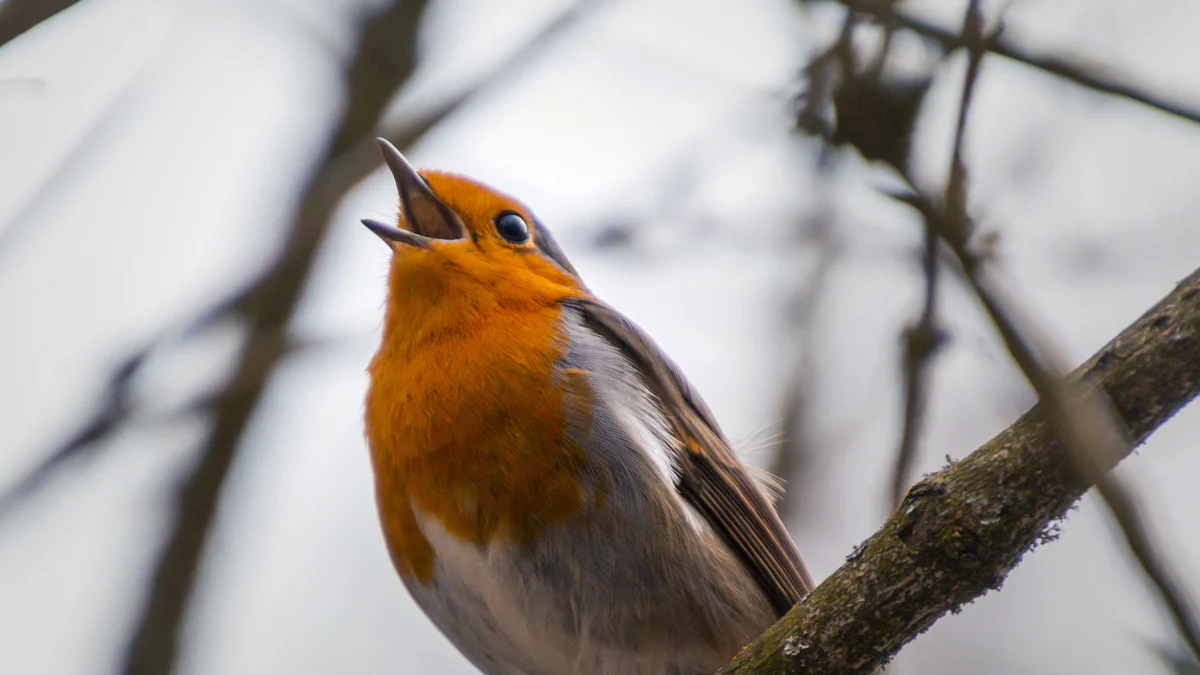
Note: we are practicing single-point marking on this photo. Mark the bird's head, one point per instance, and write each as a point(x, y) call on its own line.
point(460, 246)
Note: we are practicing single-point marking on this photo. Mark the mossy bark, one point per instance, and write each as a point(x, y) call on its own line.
point(958, 532)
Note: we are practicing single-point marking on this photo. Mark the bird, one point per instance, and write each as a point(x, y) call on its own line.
point(553, 493)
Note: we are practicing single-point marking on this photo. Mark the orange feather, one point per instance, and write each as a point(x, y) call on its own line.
point(465, 413)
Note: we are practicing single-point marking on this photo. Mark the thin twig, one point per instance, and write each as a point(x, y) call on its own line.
point(922, 339)
point(824, 72)
point(1086, 76)
point(955, 198)
point(113, 413)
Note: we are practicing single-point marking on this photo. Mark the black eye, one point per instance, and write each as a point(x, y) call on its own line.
point(512, 227)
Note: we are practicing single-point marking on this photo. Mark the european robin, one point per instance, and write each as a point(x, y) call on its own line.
point(554, 494)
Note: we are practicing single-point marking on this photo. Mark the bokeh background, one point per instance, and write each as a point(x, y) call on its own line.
point(152, 158)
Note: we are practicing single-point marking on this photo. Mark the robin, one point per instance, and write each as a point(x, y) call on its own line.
point(553, 492)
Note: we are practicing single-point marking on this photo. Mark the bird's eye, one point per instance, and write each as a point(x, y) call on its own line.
point(512, 227)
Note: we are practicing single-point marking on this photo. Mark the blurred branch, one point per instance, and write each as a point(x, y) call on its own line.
point(921, 341)
point(384, 59)
point(114, 412)
point(1123, 506)
point(18, 16)
point(1088, 76)
point(1176, 661)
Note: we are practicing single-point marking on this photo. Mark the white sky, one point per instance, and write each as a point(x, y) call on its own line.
point(175, 133)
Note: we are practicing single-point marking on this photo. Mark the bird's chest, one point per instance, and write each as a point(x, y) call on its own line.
point(473, 434)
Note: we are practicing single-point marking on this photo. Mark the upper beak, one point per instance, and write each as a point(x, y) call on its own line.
point(426, 217)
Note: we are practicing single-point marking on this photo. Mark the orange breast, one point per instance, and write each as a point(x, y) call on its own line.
point(465, 419)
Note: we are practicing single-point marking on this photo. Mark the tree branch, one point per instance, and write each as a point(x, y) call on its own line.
point(958, 532)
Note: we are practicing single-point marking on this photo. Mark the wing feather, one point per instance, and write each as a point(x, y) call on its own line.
point(712, 478)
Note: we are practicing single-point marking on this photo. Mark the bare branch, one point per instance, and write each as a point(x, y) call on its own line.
point(958, 532)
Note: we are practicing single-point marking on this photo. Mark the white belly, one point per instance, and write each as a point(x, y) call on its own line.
point(504, 621)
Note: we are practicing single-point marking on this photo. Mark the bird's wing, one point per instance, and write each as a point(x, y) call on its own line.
point(712, 478)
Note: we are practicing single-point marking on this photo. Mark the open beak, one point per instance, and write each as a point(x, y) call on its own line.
point(427, 218)
point(388, 234)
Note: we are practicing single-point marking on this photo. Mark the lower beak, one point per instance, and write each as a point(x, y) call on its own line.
point(389, 234)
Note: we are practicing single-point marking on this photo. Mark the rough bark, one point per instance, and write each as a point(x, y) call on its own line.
point(958, 532)
point(18, 16)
